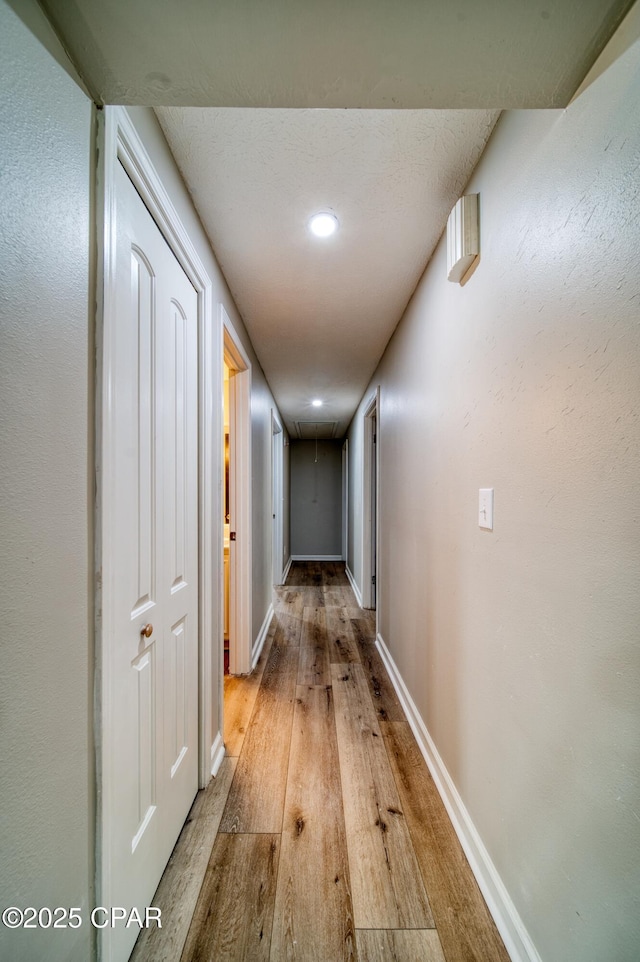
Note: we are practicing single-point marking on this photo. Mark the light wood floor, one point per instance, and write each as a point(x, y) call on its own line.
point(323, 837)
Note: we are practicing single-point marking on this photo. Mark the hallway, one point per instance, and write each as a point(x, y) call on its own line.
point(323, 836)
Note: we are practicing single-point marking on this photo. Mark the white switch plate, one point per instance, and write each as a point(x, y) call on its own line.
point(485, 508)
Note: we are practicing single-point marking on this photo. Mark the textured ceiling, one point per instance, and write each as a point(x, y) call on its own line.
point(332, 53)
point(320, 312)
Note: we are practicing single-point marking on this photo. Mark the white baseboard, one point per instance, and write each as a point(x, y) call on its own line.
point(217, 754)
point(287, 568)
point(352, 582)
point(262, 634)
point(316, 557)
point(511, 927)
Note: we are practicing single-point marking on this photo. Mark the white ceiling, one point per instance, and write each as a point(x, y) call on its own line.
point(335, 53)
point(320, 312)
point(233, 81)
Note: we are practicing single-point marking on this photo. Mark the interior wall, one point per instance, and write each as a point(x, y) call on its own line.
point(316, 498)
point(519, 645)
point(262, 400)
point(46, 473)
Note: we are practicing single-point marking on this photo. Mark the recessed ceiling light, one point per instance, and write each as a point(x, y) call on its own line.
point(323, 224)
point(317, 403)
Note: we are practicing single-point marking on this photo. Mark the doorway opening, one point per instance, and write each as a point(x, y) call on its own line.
point(236, 483)
point(370, 506)
point(225, 519)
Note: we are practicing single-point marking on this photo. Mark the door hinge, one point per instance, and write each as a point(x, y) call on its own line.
point(232, 536)
point(375, 438)
point(373, 579)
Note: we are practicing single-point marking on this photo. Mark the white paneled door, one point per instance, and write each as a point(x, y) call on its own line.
point(150, 656)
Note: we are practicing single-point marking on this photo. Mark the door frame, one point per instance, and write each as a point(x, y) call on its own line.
point(370, 500)
point(277, 499)
point(345, 501)
point(240, 559)
point(118, 142)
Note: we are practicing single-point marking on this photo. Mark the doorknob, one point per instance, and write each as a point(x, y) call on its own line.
point(147, 630)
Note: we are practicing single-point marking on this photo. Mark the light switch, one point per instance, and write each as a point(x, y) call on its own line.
point(485, 508)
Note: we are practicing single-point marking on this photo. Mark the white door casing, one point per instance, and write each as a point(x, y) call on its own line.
point(150, 750)
point(345, 501)
point(277, 498)
point(370, 504)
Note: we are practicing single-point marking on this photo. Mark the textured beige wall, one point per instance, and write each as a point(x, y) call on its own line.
point(47, 809)
point(521, 646)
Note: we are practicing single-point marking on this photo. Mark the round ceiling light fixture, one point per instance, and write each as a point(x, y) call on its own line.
point(317, 403)
point(323, 224)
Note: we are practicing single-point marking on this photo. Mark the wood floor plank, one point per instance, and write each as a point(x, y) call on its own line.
point(399, 945)
point(386, 886)
point(289, 602)
point(314, 667)
point(256, 798)
point(467, 930)
point(288, 628)
point(314, 626)
point(342, 644)
point(339, 596)
point(293, 577)
point(313, 920)
point(366, 615)
point(296, 576)
point(305, 574)
point(364, 631)
point(383, 694)
point(226, 927)
point(240, 692)
point(311, 597)
point(334, 573)
point(177, 894)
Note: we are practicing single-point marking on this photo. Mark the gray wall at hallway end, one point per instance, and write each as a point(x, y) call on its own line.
point(316, 498)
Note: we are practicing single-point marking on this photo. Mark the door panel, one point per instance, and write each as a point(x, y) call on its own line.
point(142, 295)
point(150, 750)
point(146, 743)
point(179, 417)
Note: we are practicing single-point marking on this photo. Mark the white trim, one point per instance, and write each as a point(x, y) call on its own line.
point(217, 754)
point(369, 509)
point(119, 143)
point(345, 500)
point(240, 452)
point(316, 557)
point(354, 587)
point(277, 498)
point(287, 569)
point(262, 634)
point(517, 940)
